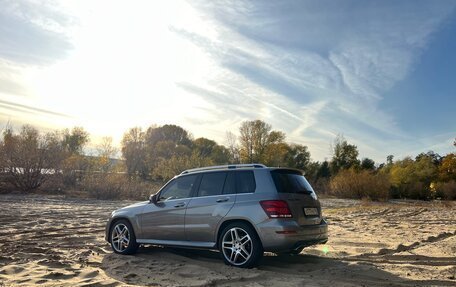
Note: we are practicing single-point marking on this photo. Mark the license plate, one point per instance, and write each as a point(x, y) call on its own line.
point(310, 211)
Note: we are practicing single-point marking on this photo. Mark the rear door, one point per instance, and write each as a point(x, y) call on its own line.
point(293, 187)
point(214, 198)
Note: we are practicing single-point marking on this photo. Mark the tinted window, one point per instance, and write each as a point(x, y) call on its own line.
point(230, 183)
point(245, 182)
point(179, 188)
point(212, 184)
point(290, 181)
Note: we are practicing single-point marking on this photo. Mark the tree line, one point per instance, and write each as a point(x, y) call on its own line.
point(56, 160)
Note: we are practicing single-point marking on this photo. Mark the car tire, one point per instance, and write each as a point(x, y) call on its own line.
point(122, 238)
point(240, 245)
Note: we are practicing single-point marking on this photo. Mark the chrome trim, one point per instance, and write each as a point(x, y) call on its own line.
point(177, 243)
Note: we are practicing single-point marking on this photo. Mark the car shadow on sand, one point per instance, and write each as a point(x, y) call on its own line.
point(183, 267)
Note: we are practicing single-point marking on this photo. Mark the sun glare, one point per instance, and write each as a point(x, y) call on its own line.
point(123, 69)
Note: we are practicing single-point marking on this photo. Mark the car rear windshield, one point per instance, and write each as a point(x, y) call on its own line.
point(291, 181)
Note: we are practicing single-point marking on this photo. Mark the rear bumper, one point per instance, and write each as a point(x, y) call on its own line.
point(286, 235)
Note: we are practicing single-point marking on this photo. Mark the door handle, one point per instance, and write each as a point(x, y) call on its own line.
point(223, 199)
point(180, 204)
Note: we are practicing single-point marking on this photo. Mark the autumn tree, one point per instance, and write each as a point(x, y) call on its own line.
point(206, 148)
point(431, 155)
point(258, 143)
point(172, 133)
point(345, 155)
point(412, 179)
point(106, 151)
point(447, 168)
point(298, 156)
point(74, 163)
point(133, 151)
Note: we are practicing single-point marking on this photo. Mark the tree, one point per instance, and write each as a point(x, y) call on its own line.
point(434, 157)
point(389, 159)
point(298, 156)
point(447, 168)
point(73, 142)
point(345, 155)
point(258, 142)
point(367, 164)
point(204, 147)
point(275, 154)
point(233, 148)
point(133, 151)
point(220, 155)
point(324, 170)
point(172, 133)
point(29, 158)
point(106, 151)
point(412, 179)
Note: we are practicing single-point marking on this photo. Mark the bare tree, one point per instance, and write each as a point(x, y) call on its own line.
point(29, 158)
point(233, 147)
point(106, 152)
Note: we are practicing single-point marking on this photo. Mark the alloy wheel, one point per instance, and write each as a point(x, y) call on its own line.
point(120, 237)
point(237, 246)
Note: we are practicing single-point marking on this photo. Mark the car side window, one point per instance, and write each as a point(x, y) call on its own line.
point(230, 183)
point(245, 182)
point(179, 188)
point(212, 183)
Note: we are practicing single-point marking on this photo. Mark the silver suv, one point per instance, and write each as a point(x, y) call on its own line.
point(241, 210)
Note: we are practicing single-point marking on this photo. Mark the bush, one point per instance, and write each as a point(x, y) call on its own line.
point(359, 185)
point(117, 186)
point(446, 190)
point(413, 190)
point(321, 186)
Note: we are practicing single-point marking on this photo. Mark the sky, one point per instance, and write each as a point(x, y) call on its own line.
point(380, 73)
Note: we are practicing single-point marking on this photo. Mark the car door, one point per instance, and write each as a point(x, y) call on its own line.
point(165, 219)
point(214, 198)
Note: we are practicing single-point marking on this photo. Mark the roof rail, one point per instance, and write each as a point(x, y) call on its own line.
point(229, 166)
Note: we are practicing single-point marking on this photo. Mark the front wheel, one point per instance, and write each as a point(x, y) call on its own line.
point(240, 245)
point(122, 237)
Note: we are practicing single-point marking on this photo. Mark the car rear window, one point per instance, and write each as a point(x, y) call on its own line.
point(291, 181)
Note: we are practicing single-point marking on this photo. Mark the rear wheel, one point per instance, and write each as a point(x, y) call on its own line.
point(123, 239)
point(240, 246)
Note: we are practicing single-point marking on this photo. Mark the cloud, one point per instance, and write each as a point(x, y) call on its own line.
point(6, 105)
point(33, 33)
point(313, 69)
point(321, 68)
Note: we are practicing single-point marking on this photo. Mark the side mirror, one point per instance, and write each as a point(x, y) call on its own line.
point(153, 198)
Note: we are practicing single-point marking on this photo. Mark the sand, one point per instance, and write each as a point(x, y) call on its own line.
point(53, 241)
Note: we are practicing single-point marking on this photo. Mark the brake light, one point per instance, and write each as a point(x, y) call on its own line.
point(276, 208)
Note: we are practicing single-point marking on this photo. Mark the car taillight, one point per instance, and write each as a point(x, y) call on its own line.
point(276, 208)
